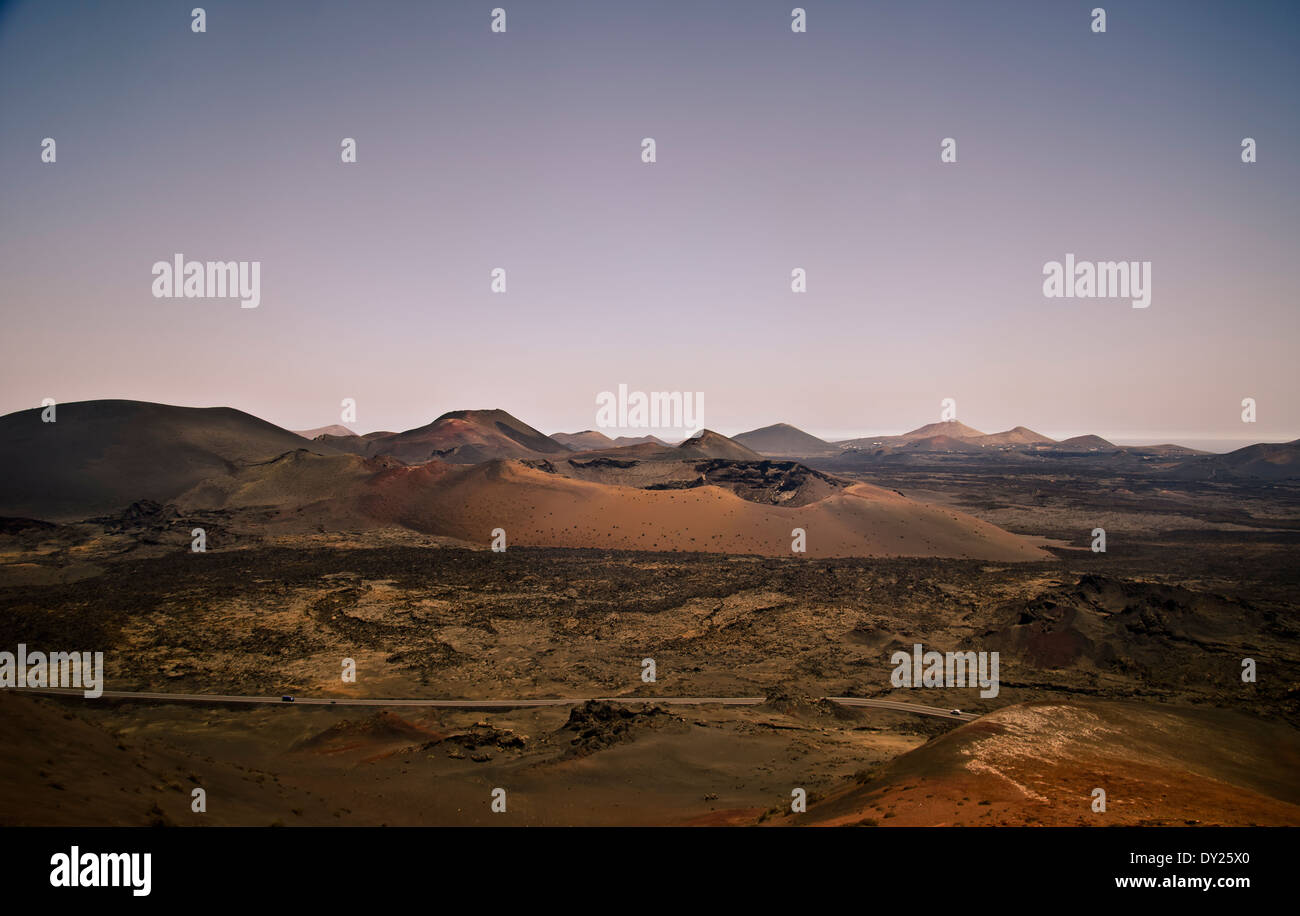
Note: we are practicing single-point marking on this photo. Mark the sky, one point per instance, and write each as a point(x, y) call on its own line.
point(775, 150)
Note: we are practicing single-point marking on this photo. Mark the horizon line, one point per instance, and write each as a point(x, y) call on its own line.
point(680, 434)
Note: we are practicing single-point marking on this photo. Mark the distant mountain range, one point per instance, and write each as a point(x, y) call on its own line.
point(952, 435)
point(590, 440)
point(471, 436)
point(101, 455)
point(460, 477)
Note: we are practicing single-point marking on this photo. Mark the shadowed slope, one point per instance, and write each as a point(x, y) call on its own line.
point(100, 456)
point(782, 439)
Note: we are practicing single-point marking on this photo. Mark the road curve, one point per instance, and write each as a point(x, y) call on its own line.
point(163, 697)
point(905, 707)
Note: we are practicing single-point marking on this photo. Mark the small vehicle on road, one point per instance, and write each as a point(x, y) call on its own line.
point(955, 712)
point(286, 699)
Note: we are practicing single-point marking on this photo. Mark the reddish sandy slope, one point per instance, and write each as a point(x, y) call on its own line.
point(537, 508)
point(1038, 763)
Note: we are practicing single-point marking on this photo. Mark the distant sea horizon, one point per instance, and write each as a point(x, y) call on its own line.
point(1203, 444)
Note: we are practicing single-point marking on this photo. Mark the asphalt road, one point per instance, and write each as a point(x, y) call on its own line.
point(895, 705)
point(905, 707)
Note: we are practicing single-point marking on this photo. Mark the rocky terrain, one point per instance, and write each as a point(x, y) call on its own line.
point(1145, 641)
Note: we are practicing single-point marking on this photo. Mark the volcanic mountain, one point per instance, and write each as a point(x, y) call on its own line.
point(950, 428)
point(468, 437)
point(1263, 461)
point(709, 493)
point(782, 440)
point(1086, 443)
point(334, 429)
point(357, 445)
point(706, 444)
point(1020, 435)
point(585, 441)
point(950, 435)
point(709, 444)
point(940, 443)
point(621, 441)
point(947, 429)
point(101, 456)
